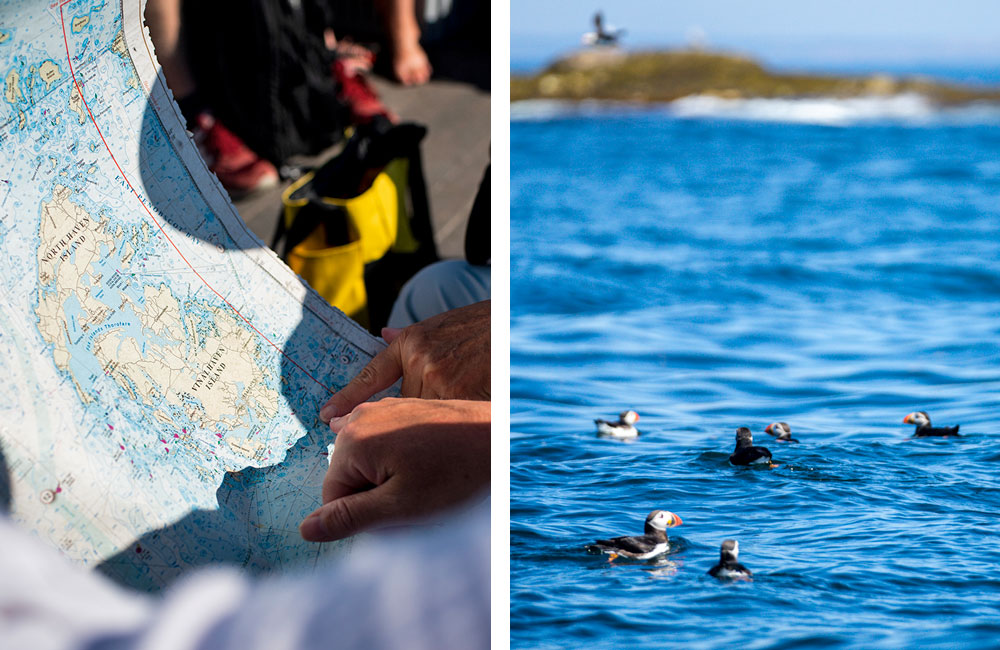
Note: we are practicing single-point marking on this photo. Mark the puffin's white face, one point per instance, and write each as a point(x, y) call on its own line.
point(731, 547)
point(663, 519)
point(629, 417)
point(778, 429)
point(918, 418)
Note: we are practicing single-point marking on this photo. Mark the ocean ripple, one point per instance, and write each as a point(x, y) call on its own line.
point(728, 271)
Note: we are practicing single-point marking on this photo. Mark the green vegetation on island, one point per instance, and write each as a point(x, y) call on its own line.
point(616, 75)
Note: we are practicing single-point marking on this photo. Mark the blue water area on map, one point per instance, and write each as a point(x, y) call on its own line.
point(712, 274)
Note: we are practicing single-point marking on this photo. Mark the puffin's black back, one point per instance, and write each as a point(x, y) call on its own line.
point(734, 567)
point(927, 431)
point(745, 452)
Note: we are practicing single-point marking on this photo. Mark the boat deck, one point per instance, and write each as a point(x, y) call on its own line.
point(455, 154)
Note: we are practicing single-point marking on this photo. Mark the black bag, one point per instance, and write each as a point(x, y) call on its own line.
point(265, 75)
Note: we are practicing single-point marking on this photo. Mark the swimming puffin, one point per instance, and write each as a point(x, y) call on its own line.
point(924, 428)
point(728, 567)
point(623, 429)
point(640, 547)
point(746, 453)
point(781, 431)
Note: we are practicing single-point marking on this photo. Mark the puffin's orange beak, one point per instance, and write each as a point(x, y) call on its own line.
point(908, 419)
point(767, 429)
point(675, 520)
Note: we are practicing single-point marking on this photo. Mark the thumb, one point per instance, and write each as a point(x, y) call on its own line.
point(380, 373)
point(345, 516)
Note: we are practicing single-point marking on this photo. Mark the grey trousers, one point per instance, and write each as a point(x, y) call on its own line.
point(439, 287)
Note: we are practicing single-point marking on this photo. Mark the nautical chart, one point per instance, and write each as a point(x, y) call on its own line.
point(160, 368)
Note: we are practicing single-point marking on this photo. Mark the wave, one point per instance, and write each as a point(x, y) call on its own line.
point(910, 109)
point(543, 110)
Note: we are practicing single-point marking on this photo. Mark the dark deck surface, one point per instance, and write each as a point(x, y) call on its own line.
point(455, 154)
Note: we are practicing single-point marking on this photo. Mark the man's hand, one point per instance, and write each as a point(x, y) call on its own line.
point(399, 459)
point(410, 64)
point(444, 357)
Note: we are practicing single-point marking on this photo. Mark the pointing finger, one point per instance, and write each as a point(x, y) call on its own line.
point(380, 373)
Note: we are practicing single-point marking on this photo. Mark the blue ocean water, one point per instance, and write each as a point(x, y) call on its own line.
point(715, 273)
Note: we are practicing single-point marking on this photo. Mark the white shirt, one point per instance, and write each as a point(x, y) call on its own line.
point(426, 588)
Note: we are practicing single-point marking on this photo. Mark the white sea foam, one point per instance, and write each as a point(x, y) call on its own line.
point(541, 110)
point(909, 109)
point(831, 111)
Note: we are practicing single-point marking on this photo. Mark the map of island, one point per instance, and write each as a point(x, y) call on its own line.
point(161, 368)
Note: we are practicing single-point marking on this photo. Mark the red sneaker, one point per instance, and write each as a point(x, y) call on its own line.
point(239, 169)
point(357, 57)
point(358, 94)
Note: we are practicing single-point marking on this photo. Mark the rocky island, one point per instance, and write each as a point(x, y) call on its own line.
point(616, 75)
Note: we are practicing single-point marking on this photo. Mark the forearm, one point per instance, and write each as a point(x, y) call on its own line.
point(400, 19)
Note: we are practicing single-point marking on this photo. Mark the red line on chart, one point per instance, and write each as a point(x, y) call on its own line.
point(79, 89)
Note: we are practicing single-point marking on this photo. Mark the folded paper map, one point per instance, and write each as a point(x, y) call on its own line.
point(161, 369)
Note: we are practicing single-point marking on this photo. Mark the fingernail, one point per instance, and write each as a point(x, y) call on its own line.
point(312, 528)
point(337, 423)
point(327, 412)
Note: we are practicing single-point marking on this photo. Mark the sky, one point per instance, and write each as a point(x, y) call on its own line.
point(789, 33)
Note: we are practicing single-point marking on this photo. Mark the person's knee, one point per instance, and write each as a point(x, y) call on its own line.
point(445, 285)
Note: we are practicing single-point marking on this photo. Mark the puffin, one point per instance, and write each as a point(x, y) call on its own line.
point(924, 428)
point(651, 543)
point(746, 453)
point(781, 431)
point(729, 567)
point(623, 429)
